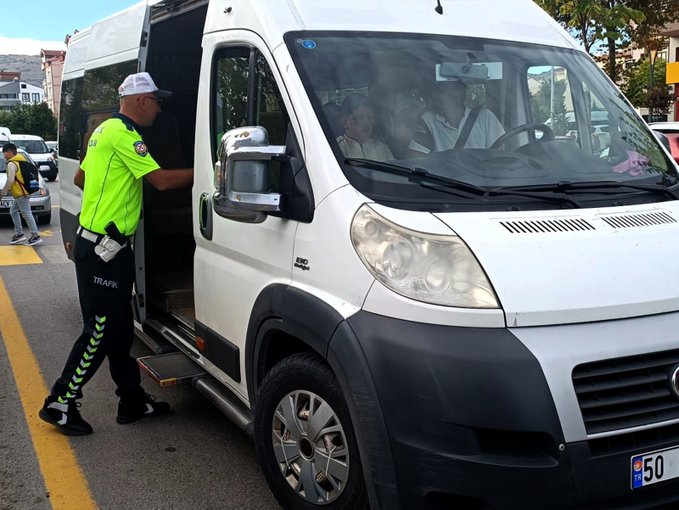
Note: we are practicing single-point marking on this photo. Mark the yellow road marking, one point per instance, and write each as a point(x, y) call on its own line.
point(63, 477)
point(17, 254)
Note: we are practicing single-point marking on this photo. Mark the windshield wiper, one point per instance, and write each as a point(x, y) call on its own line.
point(566, 186)
point(449, 183)
point(415, 172)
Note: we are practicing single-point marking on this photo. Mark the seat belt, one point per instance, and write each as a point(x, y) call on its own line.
point(467, 128)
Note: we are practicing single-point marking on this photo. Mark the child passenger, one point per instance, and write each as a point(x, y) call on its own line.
point(358, 119)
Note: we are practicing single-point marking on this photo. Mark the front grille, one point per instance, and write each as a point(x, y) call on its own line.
point(629, 392)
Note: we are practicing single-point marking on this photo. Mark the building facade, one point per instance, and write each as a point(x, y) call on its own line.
point(16, 92)
point(53, 65)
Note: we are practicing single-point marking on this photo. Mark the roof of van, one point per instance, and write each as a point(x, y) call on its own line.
point(515, 20)
point(26, 137)
point(116, 38)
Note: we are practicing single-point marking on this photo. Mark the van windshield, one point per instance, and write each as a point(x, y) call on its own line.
point(442, 122)
point(32, 146)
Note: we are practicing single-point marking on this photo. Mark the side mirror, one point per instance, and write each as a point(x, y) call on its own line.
point(243, 176)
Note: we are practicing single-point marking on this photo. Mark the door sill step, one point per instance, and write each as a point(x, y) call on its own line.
point(170, 369)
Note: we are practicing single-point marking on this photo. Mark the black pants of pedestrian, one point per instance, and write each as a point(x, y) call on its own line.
point(105, 290)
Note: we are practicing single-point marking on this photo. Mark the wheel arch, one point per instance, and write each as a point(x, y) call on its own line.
point(286, 320)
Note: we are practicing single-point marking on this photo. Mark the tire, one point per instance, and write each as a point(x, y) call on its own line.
point(302, 387)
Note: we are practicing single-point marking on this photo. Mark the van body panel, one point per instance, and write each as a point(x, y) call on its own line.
point(117, 38)
point(314, 269)
point(234, 254)
point(74, 65)
point(639, 240)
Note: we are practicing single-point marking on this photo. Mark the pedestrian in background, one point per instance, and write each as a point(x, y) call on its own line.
point(21, 205)
point(110, 176)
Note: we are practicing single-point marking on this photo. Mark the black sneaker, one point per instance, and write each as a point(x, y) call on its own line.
point(132, 410)
point(34, 239)
point(17, 238)
point(65, 417)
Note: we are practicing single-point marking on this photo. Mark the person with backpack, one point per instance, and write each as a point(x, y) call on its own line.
point(16, 184)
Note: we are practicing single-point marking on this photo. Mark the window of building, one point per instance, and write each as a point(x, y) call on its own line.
point(36, 97)
point(25, 97)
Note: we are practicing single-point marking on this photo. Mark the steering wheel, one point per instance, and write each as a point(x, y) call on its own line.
point(547, 133)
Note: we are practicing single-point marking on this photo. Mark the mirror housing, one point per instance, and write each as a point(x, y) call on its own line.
point(242, 176)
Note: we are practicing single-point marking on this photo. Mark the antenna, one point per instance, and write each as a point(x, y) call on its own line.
point(438, 7)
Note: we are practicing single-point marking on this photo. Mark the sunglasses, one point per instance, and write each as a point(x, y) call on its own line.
point(154, 98)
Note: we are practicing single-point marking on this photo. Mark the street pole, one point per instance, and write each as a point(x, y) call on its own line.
point(651, 60)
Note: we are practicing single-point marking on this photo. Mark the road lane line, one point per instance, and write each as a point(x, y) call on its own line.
point(65, 482)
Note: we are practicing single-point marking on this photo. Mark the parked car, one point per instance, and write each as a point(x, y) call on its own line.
point(41, 154)
point(671, 132)
point(41, 202)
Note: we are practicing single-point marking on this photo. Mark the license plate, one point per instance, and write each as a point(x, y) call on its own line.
point(654, 467)
point(5, 203)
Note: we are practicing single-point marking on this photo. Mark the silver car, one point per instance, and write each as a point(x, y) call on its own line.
point(41, 202)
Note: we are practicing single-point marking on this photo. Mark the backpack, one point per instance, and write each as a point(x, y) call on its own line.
point(29, 174)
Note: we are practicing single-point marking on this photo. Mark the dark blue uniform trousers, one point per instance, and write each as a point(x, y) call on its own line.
point(105, 290)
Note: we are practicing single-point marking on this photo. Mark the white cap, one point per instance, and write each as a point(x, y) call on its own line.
point(140, 83)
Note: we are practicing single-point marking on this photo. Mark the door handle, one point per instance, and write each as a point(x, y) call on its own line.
point(205, 215)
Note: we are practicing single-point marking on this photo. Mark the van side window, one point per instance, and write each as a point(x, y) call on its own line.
point(551, 101)
point(230, 101)
point(70, 118)
point(269, 110)
point(245, 98)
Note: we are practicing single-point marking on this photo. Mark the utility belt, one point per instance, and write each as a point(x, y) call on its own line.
point(107, 245)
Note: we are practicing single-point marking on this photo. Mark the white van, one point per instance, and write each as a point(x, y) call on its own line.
point(492, 325)
point(40, 153)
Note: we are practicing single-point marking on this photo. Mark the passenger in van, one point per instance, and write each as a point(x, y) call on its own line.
point(398, 107)
point(111, 179)
point(449, 124)
point(358, 119)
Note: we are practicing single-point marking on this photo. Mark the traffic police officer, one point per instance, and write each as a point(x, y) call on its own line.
point(111, 179)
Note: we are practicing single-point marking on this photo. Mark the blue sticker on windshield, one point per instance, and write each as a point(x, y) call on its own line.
point(307, 43)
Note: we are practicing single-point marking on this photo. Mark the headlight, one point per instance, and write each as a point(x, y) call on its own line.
point(431, 268)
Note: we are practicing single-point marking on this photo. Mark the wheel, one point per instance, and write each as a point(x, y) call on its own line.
point(547, 133)
point(305, 440)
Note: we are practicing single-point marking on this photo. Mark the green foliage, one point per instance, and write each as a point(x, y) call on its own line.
point(547, 104)
point(636, 86)
point(617, 23)
point(33, 119)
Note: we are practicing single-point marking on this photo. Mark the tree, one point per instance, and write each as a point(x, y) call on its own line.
point(617, 23)
point(636, 85)
point(34, 119)
point(549, 105)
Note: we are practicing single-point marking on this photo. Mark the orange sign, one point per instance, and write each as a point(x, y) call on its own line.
point(672, 73)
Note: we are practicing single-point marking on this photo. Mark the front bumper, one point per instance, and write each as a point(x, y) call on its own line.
point(472, 423)
point(40, 206)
